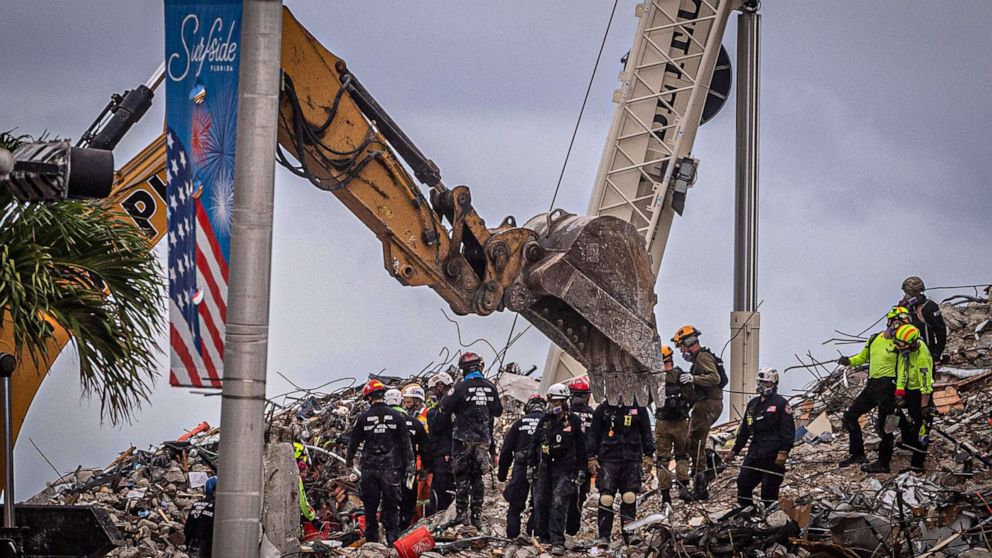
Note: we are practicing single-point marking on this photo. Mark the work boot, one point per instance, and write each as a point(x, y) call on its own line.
point(916, 469)
point(461, 517)
point(666, 496)
point(477, 520)
point(700, 490)
point(852, 460)
point(875, 467)
point(557, 550)
point(684, 493)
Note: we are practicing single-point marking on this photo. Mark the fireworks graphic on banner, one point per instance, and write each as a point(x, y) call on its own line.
point(222, 202)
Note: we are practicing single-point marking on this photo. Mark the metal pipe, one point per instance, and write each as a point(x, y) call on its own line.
point(745, 320)
point(8, 363)
point(237, 526)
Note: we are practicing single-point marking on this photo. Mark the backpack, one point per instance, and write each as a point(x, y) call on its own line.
point(724, 379)
point(675, 406)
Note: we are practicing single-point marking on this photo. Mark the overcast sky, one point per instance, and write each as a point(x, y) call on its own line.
point(874, 166)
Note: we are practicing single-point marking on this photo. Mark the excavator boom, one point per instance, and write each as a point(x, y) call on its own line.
point(585, 282)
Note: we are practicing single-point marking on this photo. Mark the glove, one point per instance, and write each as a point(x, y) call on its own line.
point(843, 361)
point(582, 478)
point(593, 466)
point(501, 476)
point(781, 457)
point(900, 401)
point(685, 378)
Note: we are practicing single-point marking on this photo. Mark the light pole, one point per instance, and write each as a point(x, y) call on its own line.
point(8, 363)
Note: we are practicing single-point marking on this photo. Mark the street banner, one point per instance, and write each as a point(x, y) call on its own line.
point(201, 64)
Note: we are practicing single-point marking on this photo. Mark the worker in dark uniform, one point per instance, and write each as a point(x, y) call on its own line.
point(880, 356)
point(706, 378)
point(418, 437)
point(387, 462)
point(473, 407)
point(515, 452)
point(199, 529)
point(579, 406)
point(621, 450)
point(924, 313)
point(768, 424)
point(558, 455)
point(914, 386)
point(671, 429)
point(439, 445)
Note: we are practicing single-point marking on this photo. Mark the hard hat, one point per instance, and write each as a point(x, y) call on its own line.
point(579, 385)
point(373, 387)
point(534, 401)
point(393, 397)
point(470, 361)
point(558, 392)
point(299, 452)
point(440, 378)
point(666, 352)
point(414, 391)
point(768, 375)
point(913, 285)
point(898, 313)
point(211, 486)
point(512, 368)
point(684, 334)
point(907, 334)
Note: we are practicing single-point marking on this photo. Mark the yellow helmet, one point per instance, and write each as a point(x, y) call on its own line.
point(684, 332)
point(898, 313)
point(907, 334)
point(299, 452)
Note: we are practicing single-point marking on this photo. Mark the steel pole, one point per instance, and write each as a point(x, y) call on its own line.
point(8, 363)
point(745, 321)
point(237, 524)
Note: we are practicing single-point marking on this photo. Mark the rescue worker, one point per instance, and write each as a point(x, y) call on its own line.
point(558, 460)
point(925, 314)
point(514, 455)
point(415, 402)
point(387, 461)
point(879, 353)
point(418, 437)
point(307, 513)
point(579, 405)
point(708, 379)
point(621, 449)
point(671, 429)
point(199, 528)
point(472, 408)
point(439, 445)
point(914, 386)
point(771, 429)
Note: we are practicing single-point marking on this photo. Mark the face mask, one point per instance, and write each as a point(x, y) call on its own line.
point(911, 300)
point(689, 357)
point(890, 331)
point(557, 410)
point(766, 390)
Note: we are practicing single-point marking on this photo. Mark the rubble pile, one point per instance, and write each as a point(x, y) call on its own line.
point(823, 510)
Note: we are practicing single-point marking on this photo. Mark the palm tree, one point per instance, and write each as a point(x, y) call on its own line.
point(80, 266)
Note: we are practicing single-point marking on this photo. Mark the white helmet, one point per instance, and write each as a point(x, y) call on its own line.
point(440, 378)
point(414, 391)
point(767, 374)
point(558, 391)
point(393, 397)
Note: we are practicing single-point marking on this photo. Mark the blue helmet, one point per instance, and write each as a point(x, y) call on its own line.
point(211, 486)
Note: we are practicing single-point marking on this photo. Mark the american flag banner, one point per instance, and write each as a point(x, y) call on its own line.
point(201, 44)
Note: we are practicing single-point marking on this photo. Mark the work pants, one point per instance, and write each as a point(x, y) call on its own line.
point(442, 491)
point(574, 521)
point(623, 477)
point(553, 492)
point(516, 493)
point(381, 487)
point(408, 505)
point(671, 439)
point(705, 412)
point(880, 393)
point(763, 471)
point(469, 462)
point(909, 428)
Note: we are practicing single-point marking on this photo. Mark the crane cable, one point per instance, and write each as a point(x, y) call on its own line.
point(581, 111)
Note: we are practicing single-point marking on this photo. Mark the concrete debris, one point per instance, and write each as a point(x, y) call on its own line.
point(824, 510)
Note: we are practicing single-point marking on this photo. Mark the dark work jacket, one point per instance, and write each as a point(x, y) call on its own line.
point(439, 439)
point(620, 433)
point(385, 437)
point(559, 444)
point(769, 425)
point(418, 437)
point(925, 315)
point(199, 529)
point(584, 412)
point(472, 406)
point(517, 442)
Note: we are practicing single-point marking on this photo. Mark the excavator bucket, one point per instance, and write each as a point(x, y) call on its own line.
point(589, 287)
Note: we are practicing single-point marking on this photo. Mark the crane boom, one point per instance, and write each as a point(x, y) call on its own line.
point(646, 169)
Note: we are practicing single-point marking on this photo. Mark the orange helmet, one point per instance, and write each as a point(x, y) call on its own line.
point(666, 353)
point(684, 332)
point(373, 387)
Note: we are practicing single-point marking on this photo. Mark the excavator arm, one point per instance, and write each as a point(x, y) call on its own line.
point(585, 282)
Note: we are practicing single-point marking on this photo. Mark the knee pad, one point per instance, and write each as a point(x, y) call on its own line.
point(606, 500)
point(629, 498)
